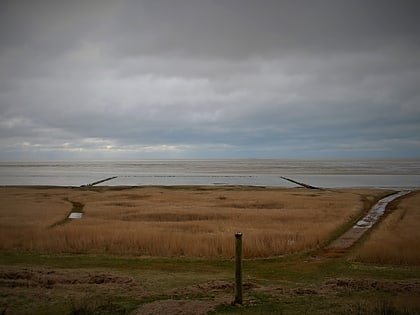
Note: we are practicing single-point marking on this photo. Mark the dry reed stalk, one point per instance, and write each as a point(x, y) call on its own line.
point(181, 222)
point(395, 241)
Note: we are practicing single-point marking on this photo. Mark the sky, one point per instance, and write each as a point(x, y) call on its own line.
point(133, 79)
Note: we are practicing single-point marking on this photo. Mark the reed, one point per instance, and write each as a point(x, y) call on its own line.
point(395, 241)
point(177, 222)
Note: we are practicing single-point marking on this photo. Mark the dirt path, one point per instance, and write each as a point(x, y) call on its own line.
point(349, 238)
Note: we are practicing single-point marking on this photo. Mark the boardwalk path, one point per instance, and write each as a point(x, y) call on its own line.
point(349, 238)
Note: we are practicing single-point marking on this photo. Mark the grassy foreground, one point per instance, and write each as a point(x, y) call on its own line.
point(308, 281)
point(296, 284)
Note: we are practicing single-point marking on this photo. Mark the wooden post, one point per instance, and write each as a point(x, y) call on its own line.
point(238, 268)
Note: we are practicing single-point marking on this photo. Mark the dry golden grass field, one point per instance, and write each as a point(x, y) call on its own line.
point(106, 262)
point(396, 239)
point(176, 221)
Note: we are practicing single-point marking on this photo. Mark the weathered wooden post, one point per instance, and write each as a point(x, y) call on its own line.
point(238, 268)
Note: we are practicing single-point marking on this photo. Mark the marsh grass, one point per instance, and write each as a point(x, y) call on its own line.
point(181, 221)
point(396, 239)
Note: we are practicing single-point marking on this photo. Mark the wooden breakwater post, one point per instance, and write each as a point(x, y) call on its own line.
point(99, 181)
point(299, 183)
point(238, 268)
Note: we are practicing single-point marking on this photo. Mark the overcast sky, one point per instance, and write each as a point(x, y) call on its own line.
point(209, 78)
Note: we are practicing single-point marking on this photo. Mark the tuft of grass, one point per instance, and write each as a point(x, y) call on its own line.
point(76, 206)
point(384, 307)
point(88, 305)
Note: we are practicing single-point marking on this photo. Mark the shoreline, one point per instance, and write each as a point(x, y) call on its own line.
point(331, 173)
point(220, 185)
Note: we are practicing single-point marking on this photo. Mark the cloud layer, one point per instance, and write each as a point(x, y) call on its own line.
point(132, 79)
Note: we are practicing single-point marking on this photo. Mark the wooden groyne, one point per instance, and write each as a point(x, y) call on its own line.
point(299, 183)
point(99, 181)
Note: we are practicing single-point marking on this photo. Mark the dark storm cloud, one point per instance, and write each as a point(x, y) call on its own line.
point(209, 78)
point(240, 29)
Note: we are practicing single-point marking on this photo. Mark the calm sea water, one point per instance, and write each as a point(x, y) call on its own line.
point(383, 173)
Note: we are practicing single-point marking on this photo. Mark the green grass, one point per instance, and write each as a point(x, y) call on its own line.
point(167, 278)
point(317, 305)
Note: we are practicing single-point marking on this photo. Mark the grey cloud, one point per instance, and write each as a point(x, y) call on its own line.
point(210, 77)
point(242, 29)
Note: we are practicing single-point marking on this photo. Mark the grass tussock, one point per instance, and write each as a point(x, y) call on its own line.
point(396, 240)
point(175, 222)
point(382, 308)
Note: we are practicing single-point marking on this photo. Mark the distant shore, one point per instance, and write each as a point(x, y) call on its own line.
point(336, 173)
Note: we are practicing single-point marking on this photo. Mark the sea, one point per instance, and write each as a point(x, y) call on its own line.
point(326, 173)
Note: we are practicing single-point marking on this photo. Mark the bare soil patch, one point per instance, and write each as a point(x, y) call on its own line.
point(48, 278)
point(177, 307)
point(392, 286)
point(220, 293)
